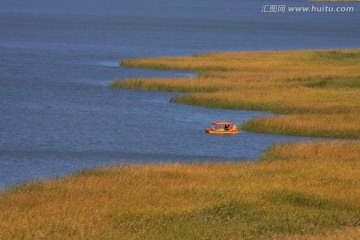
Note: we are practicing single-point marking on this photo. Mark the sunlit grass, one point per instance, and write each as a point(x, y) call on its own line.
point(345, 125)
point(315, 85)
point(295, 191)
point(302, 190)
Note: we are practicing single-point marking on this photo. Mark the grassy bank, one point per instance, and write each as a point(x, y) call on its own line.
point(296, 191)
point(317, 89)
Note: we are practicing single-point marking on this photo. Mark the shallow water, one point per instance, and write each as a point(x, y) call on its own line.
point(58, 114)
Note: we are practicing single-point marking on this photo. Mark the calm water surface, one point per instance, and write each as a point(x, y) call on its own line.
point(58, 114)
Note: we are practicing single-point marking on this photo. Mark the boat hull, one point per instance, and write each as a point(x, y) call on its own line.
point(221, 131)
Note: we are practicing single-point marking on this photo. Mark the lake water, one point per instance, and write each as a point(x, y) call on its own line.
point(59, 115)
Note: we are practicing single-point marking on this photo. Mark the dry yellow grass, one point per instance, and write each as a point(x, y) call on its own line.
point(315, 85)
point(338, 234)
point(344, 125)
point(297, 191)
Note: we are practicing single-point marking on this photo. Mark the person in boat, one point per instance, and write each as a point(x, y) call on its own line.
point(226, 127)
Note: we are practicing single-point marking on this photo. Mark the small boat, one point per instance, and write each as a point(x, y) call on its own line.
point(222, 128)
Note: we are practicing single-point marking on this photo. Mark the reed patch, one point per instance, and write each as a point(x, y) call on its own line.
point(296, 191)
point(314, 87)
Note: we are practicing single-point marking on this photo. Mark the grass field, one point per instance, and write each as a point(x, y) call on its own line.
point(319, 90)
point(296, 191)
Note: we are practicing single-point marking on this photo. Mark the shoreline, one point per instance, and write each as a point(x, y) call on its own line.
point(294, 191)
point(311, 88)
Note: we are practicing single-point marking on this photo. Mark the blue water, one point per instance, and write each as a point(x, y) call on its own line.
point(59, 115)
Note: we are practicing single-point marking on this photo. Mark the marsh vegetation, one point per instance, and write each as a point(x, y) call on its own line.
point(318, 90)
point(296, 191)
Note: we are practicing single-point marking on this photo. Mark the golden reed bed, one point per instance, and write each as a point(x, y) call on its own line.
point(319, 90)
point(295, 191)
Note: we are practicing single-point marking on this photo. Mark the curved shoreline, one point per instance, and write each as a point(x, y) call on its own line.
point(316, 89)
point(295, 191)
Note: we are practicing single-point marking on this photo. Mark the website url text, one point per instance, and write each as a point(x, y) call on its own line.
point(302, 9)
